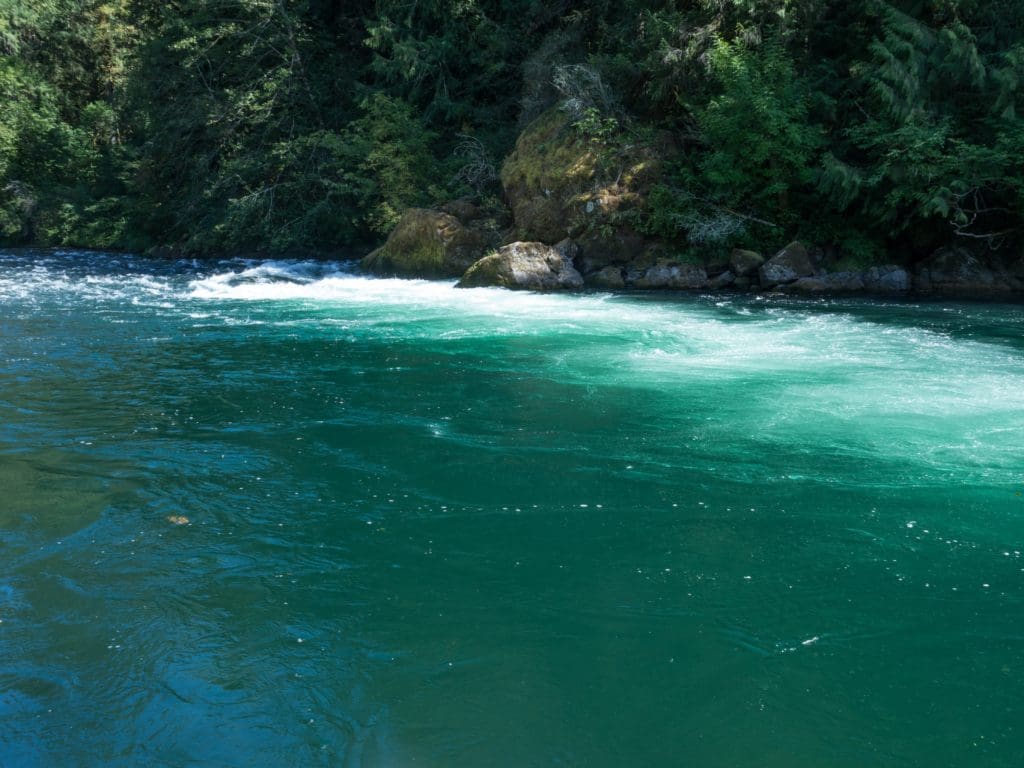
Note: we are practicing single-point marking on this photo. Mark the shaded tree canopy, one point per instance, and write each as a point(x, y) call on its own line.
point(284, 125)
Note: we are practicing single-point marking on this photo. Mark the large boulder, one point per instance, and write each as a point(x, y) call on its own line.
point(530, 266)
point(600, 249)
point(786, 266)
point(745, 263)
point(609, 277)
point(560, 184)
point(547, 168)
point(428, 243)
point(888, 278)
point(958, 272)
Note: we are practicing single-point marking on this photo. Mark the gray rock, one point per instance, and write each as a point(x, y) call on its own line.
point(958, 272)
point(807, 285)
point(529, 266)
point(673, 274)
point(600, 248)
point(716, 264)
point(568, 249)
point(745, 263)
point(723, 280)
point(609, 277)
point(887, 279)
point(845, 281)
point(788, 265)
point(921, 282)
point(427, 243)
point(833, 282)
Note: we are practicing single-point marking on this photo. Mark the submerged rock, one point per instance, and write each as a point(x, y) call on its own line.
point(428, 243)
point(788, 265)
point(529, 266)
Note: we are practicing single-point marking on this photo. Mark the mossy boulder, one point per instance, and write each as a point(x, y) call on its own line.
point(429, 244)
point(548, 167)
point(559, 184)
point(745, 263)
point(530, 266)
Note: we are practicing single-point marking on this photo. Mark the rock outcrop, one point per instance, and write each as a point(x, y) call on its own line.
point(786, 266)
point(559, 184)
point(958, 272)
point(609, 278)
point(529, 266)
point(428, 243)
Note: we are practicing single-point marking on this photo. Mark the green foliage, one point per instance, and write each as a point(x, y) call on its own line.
point(219, 125)
point(596, 129)
point(394, 160)
point(761, 143)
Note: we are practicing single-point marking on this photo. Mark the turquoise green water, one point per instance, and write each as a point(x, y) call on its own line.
point(431, 527)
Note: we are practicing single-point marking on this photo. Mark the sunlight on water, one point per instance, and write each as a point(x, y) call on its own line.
point(278, 512)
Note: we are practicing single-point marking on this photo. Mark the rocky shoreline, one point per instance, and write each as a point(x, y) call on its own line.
point(439, 244)
point(569, 218)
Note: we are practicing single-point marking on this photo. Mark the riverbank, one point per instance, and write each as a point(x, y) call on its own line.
point(793, 271)
point(457, 242)
point(573, 213)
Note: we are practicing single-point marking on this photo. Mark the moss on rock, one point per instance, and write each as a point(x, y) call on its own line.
point(559, 183)
point(428, 243)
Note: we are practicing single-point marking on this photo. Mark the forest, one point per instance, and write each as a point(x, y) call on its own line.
point(293, 126)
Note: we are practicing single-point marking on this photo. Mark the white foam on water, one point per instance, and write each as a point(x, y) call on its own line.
point(797, 372)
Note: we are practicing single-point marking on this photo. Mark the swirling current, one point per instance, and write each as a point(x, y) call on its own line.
point(268, 513)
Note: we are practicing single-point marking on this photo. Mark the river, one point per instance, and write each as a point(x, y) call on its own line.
point(279, 513)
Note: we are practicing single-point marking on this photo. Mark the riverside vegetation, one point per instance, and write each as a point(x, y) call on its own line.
point(629, 143)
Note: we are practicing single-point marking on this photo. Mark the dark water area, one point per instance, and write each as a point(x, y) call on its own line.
point(278, 513)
